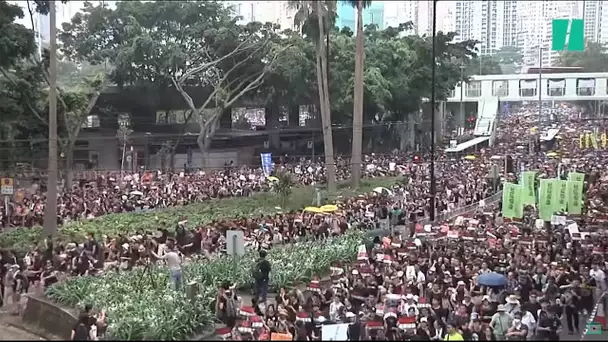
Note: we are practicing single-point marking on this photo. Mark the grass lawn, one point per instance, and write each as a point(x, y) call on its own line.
point(129, 223)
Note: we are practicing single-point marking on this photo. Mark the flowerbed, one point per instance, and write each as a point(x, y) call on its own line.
point(205, 212)
point(143, 306)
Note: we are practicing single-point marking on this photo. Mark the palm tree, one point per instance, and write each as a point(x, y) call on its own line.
point(314, 18)
point(358, 95)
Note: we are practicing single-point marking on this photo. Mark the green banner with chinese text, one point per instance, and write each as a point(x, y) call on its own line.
point(575, 197)
point(528, 180)
point(512, 206)
point(546, 198)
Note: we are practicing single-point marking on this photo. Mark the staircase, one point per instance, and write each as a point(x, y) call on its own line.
point(486, 117)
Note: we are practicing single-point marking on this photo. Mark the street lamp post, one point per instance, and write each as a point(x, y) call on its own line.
point(540, 88)
point(462, 115)
point(433, 98)
point(50, 210)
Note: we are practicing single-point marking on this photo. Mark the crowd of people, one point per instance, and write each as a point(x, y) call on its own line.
point(473, 278)
point(382, 299)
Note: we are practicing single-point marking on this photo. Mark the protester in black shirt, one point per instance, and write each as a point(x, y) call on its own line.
point(82, 329)
point(548, 327)
point(261, 275)
point(533, 306)
point(354, 330)
point(572, 297)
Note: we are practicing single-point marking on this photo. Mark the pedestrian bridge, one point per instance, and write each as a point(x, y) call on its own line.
point(525, 87)
point(490, 90)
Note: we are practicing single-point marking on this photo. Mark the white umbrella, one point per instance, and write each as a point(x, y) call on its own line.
point(382, 190)
point(495, 157)
point(136, 193)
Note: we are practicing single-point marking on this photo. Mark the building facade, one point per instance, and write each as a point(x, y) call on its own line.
point(347, 15)
point(492, 23)
point(595, 14)
point(534, 28)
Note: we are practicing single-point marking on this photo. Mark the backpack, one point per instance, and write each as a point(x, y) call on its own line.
point(81, 333)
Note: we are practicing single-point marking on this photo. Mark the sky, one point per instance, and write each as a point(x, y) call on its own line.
point(64, 11)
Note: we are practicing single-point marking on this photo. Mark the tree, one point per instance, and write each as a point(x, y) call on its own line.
point(177, 45)
point(17, 44)
point(484, 65)
point(168, 46)
point(593, 59)
point(510, 59)
point(282, 186)
point(314, 18)
point(229, 73)
point(358, 96)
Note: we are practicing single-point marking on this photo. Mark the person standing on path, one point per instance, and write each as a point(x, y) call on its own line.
point(261, 276)
point(174, 263)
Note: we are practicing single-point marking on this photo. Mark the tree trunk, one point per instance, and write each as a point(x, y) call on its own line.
point(182, 131)
point(330, 166)
point(207, 131)
point(122, 160)
point(68, 177)
point(358, 101)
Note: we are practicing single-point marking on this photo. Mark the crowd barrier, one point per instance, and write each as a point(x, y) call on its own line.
point(463, 211)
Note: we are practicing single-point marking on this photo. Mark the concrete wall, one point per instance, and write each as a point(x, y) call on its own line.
point(46, 317)
point(212, 159)
point(105, 147)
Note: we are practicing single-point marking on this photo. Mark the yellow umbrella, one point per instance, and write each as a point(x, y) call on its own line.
point(329, 208)
point(313, 209)
point(272, 178)
point(533, 130)
point(551, 154)
point(470, 157)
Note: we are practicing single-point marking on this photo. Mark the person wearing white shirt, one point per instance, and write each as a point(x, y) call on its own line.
point(174, 263)
point(528, 319)
point(334, 308)
point(599, 276)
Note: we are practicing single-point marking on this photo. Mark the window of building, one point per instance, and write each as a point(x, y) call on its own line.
point(500, 88)
point(585, 86)
point(124, 120)
point(473, 89)
point(527, 88)
point(92, 121)
point(556, 87)
point(161, 117)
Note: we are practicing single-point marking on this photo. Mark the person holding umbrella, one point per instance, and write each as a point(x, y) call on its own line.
point(491, 279)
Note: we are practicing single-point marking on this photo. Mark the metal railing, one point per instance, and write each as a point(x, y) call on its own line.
point(592, 331)
point(463, 210)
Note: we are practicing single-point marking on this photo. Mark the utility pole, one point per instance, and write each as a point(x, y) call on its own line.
point(462, 114)
point(50, 209)
point(433, 98)
point(540, 88)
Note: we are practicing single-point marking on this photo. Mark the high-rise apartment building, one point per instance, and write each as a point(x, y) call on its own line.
point(401, 12)
point(420, 13)
point(534, 28)
point(347, 15)
point(595, 14)
point(492, 23)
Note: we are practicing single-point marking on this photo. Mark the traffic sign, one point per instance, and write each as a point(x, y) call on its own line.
point(6, 186)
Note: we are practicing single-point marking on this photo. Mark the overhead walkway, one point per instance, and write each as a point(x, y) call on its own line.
point(549, 135)
point(467, 145)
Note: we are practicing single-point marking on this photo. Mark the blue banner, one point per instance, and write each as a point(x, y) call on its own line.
point(266, 163)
